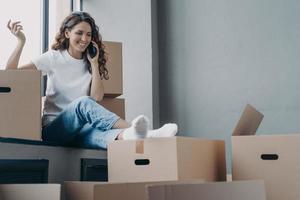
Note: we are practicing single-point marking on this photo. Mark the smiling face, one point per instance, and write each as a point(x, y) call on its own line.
point(79, 37)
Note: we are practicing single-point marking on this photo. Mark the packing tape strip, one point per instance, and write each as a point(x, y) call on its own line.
point(139, 146)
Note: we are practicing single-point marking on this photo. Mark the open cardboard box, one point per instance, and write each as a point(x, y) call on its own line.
point(166, 159)
point(237, 190)
point(273, 158)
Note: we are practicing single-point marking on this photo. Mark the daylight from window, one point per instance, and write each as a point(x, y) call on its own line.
point(29, 13)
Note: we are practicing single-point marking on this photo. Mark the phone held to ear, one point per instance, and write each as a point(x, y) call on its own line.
point(92, 50)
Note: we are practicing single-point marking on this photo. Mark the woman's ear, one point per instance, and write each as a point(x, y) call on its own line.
point(67, 33)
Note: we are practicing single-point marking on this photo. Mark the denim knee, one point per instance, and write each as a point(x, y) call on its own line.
point(87, 110)
point(82, 102)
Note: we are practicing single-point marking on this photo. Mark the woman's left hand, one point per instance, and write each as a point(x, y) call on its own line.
point(94, 60)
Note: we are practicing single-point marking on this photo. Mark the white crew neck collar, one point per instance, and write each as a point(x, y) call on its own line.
point(66, 52)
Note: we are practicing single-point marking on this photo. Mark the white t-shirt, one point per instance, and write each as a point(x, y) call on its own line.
point(67, 79)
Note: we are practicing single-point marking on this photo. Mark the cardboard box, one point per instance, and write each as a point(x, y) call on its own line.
point(20, 97)
point(238, 190)
point(113, 87)
point(30, 192)
point(114, 105)
point(75, 190)
point(79, 190)
point(166, 159)
point(273, 158)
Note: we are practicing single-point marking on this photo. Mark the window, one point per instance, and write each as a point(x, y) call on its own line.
point(76, 5)
point(31, 21)
point(58, 10)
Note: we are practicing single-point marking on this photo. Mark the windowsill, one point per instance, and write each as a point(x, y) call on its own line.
point(41, 143)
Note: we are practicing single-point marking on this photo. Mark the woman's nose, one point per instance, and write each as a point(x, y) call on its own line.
point(85, 38)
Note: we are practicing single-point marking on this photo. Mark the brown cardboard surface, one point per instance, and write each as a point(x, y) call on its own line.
point(115, 105)
point(273, 158)
point(239, 190)
point(124, 191)
point(281, 174)
point(20, 115)
point(249, 121)
point(209, 164)
point(169, 159)
point(76, 190)
point(30, 192)
point(113, 87)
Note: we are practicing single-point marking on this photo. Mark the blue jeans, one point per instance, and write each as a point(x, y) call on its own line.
point(83, 123)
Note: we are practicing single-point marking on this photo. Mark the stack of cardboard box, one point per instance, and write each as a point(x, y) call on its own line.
point(176, 168)
point(113, 87)
point(20, 95)
point(166, 168)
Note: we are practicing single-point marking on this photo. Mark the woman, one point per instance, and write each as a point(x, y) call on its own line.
point(71, 114)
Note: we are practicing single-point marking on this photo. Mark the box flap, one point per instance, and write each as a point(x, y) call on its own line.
point(130, 191)
point(249, 121)
point(246, 190)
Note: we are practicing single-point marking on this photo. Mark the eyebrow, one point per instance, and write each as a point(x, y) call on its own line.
point(83, 31)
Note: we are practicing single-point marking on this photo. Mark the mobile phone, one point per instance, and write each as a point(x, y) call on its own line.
point(92, 50)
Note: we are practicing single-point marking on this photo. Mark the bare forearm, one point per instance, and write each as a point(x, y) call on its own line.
point(97, 88)
point(14, 58)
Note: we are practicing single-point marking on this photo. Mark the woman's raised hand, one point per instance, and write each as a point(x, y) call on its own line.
point(16, 29)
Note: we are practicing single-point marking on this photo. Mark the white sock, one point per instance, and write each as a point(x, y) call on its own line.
point(167, 130)
point(138, 129)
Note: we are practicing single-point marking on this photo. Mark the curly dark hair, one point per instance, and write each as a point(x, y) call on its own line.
point(62, 43)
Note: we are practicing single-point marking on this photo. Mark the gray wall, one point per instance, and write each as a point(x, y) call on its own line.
point(129, 22)
point(216, 56)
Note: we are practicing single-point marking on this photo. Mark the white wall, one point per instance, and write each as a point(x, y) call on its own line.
point(129, 22)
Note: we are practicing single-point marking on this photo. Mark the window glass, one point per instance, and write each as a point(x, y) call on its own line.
point(58, 10)
point(29, 13)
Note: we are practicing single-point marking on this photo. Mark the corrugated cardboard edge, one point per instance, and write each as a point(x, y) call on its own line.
point(248, 122)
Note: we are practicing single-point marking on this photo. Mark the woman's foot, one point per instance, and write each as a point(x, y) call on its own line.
point(167, 130)
point(138, 129)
